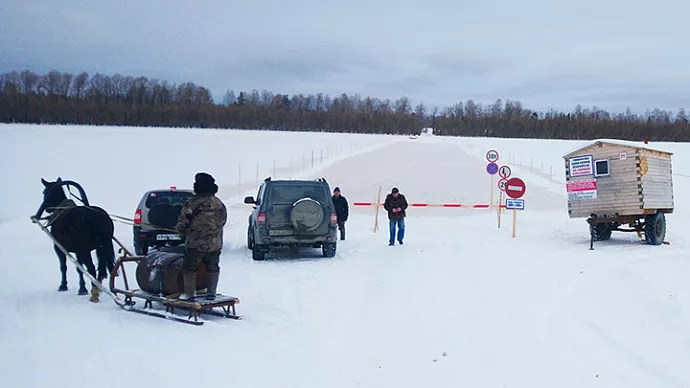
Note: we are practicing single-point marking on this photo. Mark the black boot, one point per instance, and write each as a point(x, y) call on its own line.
point(211, 284)
point(189, 286)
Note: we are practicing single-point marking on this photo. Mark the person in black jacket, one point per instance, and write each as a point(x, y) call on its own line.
point(395, 205)
point(342, 211)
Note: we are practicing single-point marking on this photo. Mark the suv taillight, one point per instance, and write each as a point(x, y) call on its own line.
point(334, 218)
point(261, 219)
point(137, 217)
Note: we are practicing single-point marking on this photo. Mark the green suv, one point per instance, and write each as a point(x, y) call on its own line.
point(292, 213)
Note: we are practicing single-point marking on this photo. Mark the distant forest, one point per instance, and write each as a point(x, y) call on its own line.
point(64, 98)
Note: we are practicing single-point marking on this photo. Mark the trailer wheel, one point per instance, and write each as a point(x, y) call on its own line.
point(655, 228)
point(602, 231)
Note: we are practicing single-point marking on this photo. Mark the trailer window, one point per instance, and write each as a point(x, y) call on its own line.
point(601, 168)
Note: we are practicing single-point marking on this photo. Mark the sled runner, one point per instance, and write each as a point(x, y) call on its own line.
point(160, 270)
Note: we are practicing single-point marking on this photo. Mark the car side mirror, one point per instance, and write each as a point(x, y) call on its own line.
point(249, 200)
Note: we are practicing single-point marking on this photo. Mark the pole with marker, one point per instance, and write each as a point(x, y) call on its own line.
point(515, 189)
point(498, 209)
point(492, 168)
point(376, 216)
point(503, 172)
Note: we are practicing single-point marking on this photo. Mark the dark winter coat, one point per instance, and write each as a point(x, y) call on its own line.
point(392, 203)
point(342, 209)
point(201, 222)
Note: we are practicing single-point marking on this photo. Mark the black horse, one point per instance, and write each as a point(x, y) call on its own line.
point(79, 229)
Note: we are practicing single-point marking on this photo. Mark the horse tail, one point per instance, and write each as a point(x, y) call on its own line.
point(106, 259)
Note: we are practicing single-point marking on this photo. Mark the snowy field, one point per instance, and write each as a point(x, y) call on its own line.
point(461, 304)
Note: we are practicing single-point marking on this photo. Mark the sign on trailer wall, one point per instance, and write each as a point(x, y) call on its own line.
point(581, 166)
point(581, 189)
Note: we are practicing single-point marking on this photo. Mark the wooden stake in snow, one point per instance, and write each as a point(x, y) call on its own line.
point(498, 208)
point(491, 201)
point(376, 217)
point(514, 221)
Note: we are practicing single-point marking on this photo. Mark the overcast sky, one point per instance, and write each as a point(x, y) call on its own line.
point(544, 53)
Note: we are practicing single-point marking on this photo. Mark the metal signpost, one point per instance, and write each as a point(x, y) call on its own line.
point(515, 189)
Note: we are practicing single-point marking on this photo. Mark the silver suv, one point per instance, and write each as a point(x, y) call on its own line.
point(292, 213)
point(155, 217)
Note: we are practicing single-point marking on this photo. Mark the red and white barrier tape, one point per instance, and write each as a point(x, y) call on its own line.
point(455, 205)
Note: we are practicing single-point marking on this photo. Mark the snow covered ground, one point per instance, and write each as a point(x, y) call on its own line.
point(460, 304)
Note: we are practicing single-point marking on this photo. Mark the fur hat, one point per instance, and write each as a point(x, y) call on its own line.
point(204, 183)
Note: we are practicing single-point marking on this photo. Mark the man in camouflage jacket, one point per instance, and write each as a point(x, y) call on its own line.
point(201, 222)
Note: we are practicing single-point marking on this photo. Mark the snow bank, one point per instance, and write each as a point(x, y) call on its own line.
point(460, 304)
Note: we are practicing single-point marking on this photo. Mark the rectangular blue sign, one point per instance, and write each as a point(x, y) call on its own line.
point(517, 204)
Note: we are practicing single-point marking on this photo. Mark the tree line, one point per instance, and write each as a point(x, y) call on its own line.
point(65, 98)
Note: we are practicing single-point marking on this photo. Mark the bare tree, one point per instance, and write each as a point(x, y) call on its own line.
point(79, 85)
point(229, 98)
point(266, 97)
point(28, 81)
point(420, 111)
point(402, 105)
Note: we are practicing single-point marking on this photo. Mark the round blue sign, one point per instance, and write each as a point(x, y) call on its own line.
point(492, 168)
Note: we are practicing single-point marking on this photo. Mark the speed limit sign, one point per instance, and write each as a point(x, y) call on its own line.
point(502, 184)
point(492, 156)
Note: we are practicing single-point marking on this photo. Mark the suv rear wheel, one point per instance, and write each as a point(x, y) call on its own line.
point(250, 240)
point(140, 249)
point(258, 254)
point(329, 249)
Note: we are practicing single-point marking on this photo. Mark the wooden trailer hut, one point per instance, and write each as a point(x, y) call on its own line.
point(614, 183)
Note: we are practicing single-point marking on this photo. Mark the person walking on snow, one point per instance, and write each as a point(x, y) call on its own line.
point(201, 222)
point(342, 211)
point(396, 204)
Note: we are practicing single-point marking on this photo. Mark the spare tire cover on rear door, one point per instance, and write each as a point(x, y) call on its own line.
point(306, 214)
point(164, 215)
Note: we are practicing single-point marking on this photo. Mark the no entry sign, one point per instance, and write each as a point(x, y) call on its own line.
point(492, 156)
point(515, 188)
point(504, 172)
point(492, 168)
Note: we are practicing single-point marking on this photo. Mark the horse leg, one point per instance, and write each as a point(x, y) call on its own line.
point(106, 260)
point(84, 258)
point(87, 261)
point(63, 268)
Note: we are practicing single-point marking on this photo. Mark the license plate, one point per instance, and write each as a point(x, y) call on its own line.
point(167, 237)
point(280, 232)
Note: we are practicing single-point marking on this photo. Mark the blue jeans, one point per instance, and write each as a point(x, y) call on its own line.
point(400, 223)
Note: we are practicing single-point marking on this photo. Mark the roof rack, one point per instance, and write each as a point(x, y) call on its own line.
point(321, 180)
